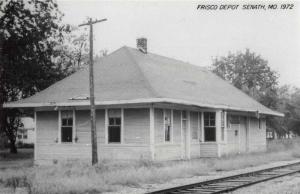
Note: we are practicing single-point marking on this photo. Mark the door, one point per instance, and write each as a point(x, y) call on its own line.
point(233, 134)
point(243, 135)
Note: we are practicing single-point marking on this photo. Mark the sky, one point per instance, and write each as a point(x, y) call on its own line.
point(179, 30)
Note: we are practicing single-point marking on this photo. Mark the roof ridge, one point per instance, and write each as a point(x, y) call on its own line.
point(152, 90)
point(169, 58)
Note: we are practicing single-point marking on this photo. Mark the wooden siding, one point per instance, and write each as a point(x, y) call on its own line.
point(195, 144)
point(168, 152)
point(47, 149)
point(243, 135)
point(100, 124)
point(63, 151)
point(237, 137)
point(83, 129)
point(136, 126)
point(195, 150)
point(232, 140)
point(238, 144)
point(135, 120)
point(124, 151)
point(209, 150)
point(159, 126)
point(257, 137)
point(47, 127)
point(223, 149)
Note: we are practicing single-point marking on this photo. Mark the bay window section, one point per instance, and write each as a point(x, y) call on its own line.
point(209, 126)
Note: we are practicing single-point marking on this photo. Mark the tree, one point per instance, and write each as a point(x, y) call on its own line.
point(251, 73)
point(73, 50)
point(289, 103)
point(29, 32)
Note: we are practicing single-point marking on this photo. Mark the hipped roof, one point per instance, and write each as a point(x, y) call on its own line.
point(130, 76)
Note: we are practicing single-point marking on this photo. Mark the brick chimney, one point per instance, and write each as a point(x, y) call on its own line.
point(141, 44)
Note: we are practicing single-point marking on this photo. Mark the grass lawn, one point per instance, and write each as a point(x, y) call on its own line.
point(78, 177)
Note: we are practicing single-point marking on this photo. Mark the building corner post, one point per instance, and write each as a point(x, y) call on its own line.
point(35, 138)
point(188, 134)
point(218, 131)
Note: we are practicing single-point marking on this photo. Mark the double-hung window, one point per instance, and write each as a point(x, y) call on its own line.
point(66, 126)
point(114, 126)
point(209, 126)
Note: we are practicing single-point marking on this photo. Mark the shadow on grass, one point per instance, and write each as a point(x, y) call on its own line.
point(24, 153)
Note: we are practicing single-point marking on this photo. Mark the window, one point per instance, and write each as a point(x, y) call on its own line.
point(114, 126)
point(259, 123)
point(167, 125)
point(209, 126)
point(222, 126)
point(66, 126)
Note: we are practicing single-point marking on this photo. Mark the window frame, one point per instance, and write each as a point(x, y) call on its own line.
point(59, 139)
point(107, 125)
point(209, 126)
point(115, 124)
point(171, 125)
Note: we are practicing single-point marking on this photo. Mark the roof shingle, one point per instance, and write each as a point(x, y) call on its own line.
point(128, 75)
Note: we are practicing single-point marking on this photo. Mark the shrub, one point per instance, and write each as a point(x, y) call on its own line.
point(25, 145)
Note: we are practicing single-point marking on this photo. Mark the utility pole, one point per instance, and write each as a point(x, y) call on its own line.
point(92, 97)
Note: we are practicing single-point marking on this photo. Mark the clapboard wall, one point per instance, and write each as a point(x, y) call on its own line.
point(135, 143)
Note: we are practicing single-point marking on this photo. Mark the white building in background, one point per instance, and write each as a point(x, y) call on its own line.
point(26, 134)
